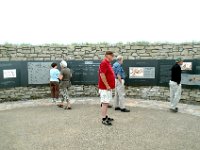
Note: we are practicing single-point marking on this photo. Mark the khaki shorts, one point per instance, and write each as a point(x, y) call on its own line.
point(105, 96)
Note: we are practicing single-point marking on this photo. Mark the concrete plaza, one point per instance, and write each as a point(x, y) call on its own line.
point(40, 125)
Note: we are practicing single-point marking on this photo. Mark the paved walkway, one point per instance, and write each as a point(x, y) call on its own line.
point(183, 108)
point(149, 126)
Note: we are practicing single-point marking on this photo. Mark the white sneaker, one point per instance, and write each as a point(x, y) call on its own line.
point(53, 101)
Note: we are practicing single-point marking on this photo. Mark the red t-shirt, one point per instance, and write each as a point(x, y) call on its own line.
point(106, 68)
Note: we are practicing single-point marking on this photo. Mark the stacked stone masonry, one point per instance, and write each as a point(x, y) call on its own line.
point(131, 51)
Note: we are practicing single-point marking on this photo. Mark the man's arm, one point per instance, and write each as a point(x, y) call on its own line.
point(119, 78)
point(103, 77)
point(61, 75)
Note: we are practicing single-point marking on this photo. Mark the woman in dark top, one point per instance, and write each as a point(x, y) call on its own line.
point(65, 76)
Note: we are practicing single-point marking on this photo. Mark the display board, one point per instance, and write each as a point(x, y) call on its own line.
point(140, 72)
point(165, 66)
point(84, 72)
point(197, 67)
point(38, 72)
point(13, 74)
point(164, 73)
point(190, 79)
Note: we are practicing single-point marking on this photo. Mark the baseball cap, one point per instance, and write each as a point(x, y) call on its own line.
point(179, 59)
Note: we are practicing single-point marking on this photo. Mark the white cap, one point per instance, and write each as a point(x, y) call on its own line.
point(63, 63)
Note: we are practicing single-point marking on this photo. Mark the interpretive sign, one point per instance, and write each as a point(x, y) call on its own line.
point(9, 73)
point(186, 66)
point(190, 79)
point(142, 72)
point(38, 72)
point(13, 74)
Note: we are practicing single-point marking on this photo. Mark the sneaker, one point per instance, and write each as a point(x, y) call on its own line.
point(110, 106)
point(69, 108)
point(60, 105)
point(117, 108)
point(106, 122)
point(175, 110)
point(109, 119)
point(125, 110)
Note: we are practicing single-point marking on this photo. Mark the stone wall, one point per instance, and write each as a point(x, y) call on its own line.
point(96, 52)
point(142, 92)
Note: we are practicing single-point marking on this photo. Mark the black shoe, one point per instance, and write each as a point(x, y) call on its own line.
point(110, 106)
point(106, 122)
point(125, 110)
point(69, 108)
point(174, 110)
point(109, 119)
point(117, 108)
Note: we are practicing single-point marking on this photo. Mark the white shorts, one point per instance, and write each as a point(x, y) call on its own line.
point(105, 96)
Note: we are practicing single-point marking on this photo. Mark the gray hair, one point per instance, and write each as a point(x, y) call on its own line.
point(120, 57)
point(63, 63)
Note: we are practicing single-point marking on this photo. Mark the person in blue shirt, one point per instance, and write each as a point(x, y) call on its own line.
point(54, 82)
point(119, 85)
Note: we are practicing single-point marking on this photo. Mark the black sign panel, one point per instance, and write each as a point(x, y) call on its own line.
point(165, 66)
point(164, 74)
point(84, 72)
point(197, 67)
point(140, 72)
point(13, 74)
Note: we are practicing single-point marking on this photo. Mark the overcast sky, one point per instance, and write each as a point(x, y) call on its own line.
point(93, 21)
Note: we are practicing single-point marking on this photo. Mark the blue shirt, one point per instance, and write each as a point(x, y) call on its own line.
point(117, 67)
point(54, 74)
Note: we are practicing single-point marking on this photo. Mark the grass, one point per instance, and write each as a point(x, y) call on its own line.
point(142, 43)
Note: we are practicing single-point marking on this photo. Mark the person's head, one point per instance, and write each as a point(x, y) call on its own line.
point(63, 64)
point(120, 59)
point(109, 56)
point(54, 65)
point(179, 61)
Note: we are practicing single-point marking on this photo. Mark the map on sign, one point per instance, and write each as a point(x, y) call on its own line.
point(142, 72)
point(186, 66)
point(9, 73)
point(38, 72)
point(190, 79)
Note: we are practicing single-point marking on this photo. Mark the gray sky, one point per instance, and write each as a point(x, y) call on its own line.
point(79, 21)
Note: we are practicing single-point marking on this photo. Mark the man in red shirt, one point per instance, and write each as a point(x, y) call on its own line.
point(106, 84)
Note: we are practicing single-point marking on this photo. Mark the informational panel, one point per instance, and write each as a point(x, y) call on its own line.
point(13, 74)
point(76, 68)
point(164, 74)
point(186, 66)
point(90, 72)
point(84, 72)
point(190, 79)
point(197, 67)
point(140, 72)
point(9, 73)
point(38, 72)
point(165, 70)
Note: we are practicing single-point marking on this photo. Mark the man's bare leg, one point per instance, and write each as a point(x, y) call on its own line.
point(105, 119)
point(104, 110)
